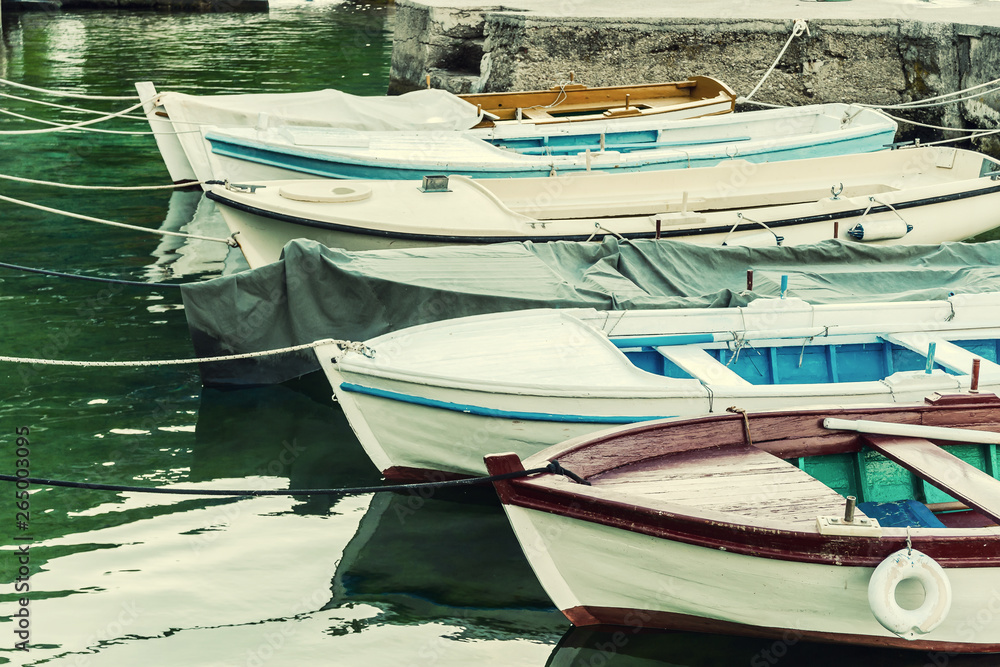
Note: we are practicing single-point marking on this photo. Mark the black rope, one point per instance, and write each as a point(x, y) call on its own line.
point(553, 467)
point(113, 281)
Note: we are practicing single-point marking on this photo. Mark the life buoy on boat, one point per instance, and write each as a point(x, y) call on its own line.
point(894, 570)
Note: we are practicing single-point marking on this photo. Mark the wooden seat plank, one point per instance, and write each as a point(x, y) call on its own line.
point(945, 471)
point(701, 365)
point(737, 480)
point(946, 353)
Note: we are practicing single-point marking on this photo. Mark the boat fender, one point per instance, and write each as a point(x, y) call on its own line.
point(894, 570)
point(880, 230)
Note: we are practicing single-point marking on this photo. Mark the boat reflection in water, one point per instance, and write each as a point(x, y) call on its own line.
point(634, 647)
point(451, 558)
point(179, 257)
point(278, 432)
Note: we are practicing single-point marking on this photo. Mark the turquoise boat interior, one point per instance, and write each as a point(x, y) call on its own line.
point(884, 490)
point(795, 363)
point(623, 142)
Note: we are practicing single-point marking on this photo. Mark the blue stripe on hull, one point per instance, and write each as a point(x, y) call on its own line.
point(491, 412)
point(319, 165)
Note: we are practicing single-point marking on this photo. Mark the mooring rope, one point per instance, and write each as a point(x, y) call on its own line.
point(230, 241)
point(800, 26)
point(553, 467)
point(65, 107)
point(113, 281)
point(939, 100)
point(62, 93)
point(344, 345)
point(73, 126)
point(985, 133)
point(172, 186)
point(85, 129)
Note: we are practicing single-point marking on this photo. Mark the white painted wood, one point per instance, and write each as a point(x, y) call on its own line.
point(743, 481)
point(946, 353)
point(582, 563)
point(595, 204)
point(527, 380)
point(701, 365)
point(914, 431)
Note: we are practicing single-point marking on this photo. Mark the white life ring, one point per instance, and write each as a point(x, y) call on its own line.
point(897, 568)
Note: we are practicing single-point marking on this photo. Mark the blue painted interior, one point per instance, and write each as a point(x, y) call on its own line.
point(623, 142)
point(901, 513)
point(812, 364)
point(317, 163)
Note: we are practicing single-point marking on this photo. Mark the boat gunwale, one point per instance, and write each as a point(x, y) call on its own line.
point(952, 547)
point(215, 196)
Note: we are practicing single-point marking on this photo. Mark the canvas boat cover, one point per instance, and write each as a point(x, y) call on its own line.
point(315, 292)
point(428, 109)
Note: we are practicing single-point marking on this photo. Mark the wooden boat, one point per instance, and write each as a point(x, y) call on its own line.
point(177, 119)
point(913, 196)
point(243, 154)
point(436, 398)
point(745, 524)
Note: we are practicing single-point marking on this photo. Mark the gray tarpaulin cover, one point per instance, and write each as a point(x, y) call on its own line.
point(316, 292)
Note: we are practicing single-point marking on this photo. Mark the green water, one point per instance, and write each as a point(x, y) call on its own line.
point(136, 579)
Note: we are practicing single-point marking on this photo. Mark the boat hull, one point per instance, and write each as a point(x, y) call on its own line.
point(440, 396)
point(923, 196)
point(947, 214)
point(671, 585)
point(244, 159)
point(416, 431)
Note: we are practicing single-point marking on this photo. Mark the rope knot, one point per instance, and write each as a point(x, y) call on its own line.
point(556, 469)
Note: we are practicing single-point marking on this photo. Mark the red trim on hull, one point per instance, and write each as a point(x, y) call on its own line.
point(778, 433)
point(638, 619)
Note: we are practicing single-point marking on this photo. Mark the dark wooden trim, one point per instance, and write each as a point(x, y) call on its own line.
point(640, 619)
point(590, 456)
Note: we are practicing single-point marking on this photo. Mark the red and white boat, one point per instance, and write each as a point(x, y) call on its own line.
point(737, 523)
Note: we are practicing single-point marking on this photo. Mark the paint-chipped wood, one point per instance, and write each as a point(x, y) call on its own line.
point(735, 479)
point(945, 471)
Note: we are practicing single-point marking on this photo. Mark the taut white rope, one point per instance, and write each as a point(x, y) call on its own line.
point(66, 107)
point(231, 241)
point(61, 93)
point(798, 28)
point(33, 181)
point(361, 348)
point(60, 125)
point(72, 126)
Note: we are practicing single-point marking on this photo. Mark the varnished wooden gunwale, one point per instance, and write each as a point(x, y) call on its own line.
point(645, 98)
point(784, 434)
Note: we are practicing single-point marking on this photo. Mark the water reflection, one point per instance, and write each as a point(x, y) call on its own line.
point(447, 557)
point(278, 431)
point(584, 647)
point(190, 212)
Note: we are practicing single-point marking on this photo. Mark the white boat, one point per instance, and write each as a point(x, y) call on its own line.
point(526, 117)
point(242, 154)
point(436, 398)
point(820, 524)
point(914, 196)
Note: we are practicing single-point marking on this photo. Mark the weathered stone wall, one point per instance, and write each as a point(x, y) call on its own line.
point(880, 61)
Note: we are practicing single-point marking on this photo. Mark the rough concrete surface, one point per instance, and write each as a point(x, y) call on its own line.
point(869, 51)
